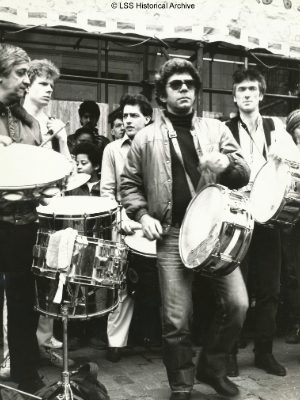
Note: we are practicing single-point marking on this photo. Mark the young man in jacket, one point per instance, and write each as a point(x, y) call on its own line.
point(155, 192)
point(260, 138)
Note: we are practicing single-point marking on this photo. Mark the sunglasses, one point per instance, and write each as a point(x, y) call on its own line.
point(177, 84)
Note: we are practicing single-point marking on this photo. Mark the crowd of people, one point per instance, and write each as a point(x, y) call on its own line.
point(153, 168)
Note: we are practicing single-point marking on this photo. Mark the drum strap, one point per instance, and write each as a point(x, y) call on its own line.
point(173, 136)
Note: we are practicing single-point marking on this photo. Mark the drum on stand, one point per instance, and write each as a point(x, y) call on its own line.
point(216, 231)
point(275, 195)
point(98, 265)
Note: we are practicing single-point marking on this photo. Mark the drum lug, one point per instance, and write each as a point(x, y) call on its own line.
point(226, 257)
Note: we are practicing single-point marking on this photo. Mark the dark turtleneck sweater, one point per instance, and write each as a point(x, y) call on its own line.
point(180, 191)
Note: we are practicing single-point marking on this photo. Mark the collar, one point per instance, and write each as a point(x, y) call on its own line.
point(125, 139)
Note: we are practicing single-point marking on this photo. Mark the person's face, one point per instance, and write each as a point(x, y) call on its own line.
point(84, 165)
point(134, 120)
point(180, 94)
point(118, 129)
point(40, 90)
point(88, 118)
point(84, 138)
point(13, 86)
point(247, 96)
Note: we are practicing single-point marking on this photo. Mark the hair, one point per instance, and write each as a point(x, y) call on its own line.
point(91, 107)
point(43, 67)
point(10, 56)
point(293, 122)
point(169, 68)
point(115, 114)
point(91, 151)
point(137, 100)
point(249, 74)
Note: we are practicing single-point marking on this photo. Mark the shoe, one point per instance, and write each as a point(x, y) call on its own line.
point(5, 369)
point(97, 343)
point(232, 366)
point(180, 396)
point(114, 354)
point(54, 357)
point(268, 362)
point(294, 336)
point(53, 343)
point(31, 385)
point(221, 384)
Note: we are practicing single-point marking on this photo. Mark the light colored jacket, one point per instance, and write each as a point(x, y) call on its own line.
point(146, 181)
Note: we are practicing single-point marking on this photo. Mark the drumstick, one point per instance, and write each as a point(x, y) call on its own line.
point(53, 135)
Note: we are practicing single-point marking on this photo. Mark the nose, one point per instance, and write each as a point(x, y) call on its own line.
point(26, 79)
point(184, 88)
point(50, 89)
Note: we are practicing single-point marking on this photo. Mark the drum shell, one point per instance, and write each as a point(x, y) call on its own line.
point(94, 262)
point(226, 248)
point(83, 302)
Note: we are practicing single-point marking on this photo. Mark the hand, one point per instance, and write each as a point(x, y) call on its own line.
point(152, 228)
point(215, 161)
point(55, 124)
point(5, 140)
point(129, 226)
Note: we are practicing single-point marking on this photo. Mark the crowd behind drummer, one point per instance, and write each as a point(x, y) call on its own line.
point(252, 136)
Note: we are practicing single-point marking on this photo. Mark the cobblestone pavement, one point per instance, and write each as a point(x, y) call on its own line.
point(140, 375)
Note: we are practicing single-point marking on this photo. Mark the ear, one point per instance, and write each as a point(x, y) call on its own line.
point(163, 99)
point(261, 96)
point(148, 119)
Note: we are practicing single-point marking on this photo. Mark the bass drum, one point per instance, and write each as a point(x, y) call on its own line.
point(216, 231)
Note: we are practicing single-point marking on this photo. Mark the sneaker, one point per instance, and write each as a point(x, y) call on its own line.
point(5, 368)
point(54, 357)
point(53, 343)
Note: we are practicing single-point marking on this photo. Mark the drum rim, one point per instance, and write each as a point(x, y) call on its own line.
point(77, 216)
point(220, 187)
point(137, 252)
point(33, 186)
point(285, 192)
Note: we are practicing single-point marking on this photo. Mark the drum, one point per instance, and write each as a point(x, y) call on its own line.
point(32, 172)
point(142, 273)
point(216, 231)
point(84, 302)
point(94, 262)
point(90, 215)
point(139, 244)
point(275, 195)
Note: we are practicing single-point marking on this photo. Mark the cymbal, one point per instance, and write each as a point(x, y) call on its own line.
point(77, 180)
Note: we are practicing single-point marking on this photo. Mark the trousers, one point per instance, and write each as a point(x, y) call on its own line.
point(177, 313)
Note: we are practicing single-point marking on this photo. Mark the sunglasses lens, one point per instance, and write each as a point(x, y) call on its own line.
point(177, 84)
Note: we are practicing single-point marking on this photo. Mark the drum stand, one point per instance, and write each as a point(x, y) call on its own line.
point(64, 386)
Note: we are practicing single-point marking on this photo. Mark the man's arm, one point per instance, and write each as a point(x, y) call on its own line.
point(108, 182)
point(237, 173)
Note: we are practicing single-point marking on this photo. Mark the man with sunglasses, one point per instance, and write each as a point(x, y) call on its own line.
point(156, 188)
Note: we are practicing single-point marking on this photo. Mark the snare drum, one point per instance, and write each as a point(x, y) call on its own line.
point(31, 172)
point(90, 215)
point(216, 231)
point(275, 196)
point(139, 244)
point(84, 302)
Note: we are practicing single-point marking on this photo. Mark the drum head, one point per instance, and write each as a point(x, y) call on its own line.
point(201, 226)
point(77, 206)
point(30, 166)
point(139, 244)
point(268, 190)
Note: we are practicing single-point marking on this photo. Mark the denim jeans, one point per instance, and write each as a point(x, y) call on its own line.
point(177, 312)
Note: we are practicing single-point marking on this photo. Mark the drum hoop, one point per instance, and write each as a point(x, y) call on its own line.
point(78, 216)
point(223, 189)
point(33, 186)
point(139, 253)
